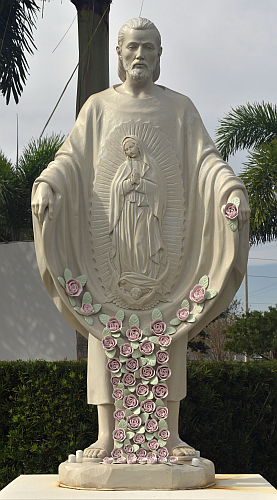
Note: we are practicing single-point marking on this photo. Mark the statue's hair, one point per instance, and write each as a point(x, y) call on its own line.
point(137, 23)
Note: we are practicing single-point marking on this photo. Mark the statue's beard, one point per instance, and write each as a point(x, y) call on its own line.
point(138, 74)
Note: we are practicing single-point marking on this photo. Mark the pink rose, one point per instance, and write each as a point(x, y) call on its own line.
point(109, 343)
point(157, 327)
point(160, 391)
point(107, 460)
point(131, 458)
point(163, 372)
point(86, 309)
point(115, 380)
point(164, 434)
point(141, 453)
point(161, 412)
point(162, 357)
point(162, 460)
point(122, 460)
point(147, 372)
point(114, 365)
point(128, 448)
point(151, 425)
point(163, 452)
point(132, 364)
point(114, 325)
point(133, 422)
point(146, 347)
point(198, 294)
point(73, 287)
point(119, 435)
point(129, 379)
point(142, 389)
point(119, 414)
point(139, 438)
point(130, 402)
point(151, 458)
point(153, 445)
point(126, 350)
point(134, 333)
point(165, 340)
point(173, 460)
point(230, 211)
point(147, 406)
point(116, 453)
point(117, 394)
point(182, 314)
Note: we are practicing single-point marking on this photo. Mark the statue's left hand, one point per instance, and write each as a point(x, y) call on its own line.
point(43, 199)
point(244, 210)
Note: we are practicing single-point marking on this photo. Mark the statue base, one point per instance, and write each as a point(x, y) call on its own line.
point(98, 476)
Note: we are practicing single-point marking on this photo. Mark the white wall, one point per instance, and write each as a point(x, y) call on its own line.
point(31, 327)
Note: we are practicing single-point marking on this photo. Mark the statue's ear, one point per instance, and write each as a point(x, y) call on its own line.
point(160, 51)
point(118, 51)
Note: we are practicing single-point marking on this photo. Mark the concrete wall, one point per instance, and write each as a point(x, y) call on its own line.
point(30, 325)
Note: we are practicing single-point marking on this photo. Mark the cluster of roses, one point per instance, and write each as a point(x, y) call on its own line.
point(139, 388)
point(198, 296)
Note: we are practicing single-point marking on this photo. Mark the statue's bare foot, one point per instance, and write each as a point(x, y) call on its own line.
point(100, 449)
point(179, 448)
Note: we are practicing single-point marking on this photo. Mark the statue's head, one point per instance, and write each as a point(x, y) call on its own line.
point(130, 147)
point(143, 27)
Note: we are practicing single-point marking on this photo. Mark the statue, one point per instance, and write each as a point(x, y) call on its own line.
point(155, 224)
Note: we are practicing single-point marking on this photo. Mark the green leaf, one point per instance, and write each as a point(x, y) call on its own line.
point(210, 294)
point(120, 385)
point(204, 281)
point(89, 320)
point(124, 330)
point(135, 447)
point(137, 411)
point(106, 332)
point(145, 446)
point(82, 279)
point(118, 374)
point(191, 318)
point(87, 298)
point(120, 315)
point(200, 307)
point(144, 417)
point(154, 339)
point(145, 382)
point(122, 425)
point(136, 354)
point(233, 224)
point(175, 321)
point(124, 369)
point(120, 341)
point(162, 424)
point(61, 281)
point(146, 331)
point(156, 314)
point(117, 444)
point(130, 434)
point(110, 354)
point(67, 274)
point(122, 359)
point(78, 310)
point(150, 395)
point(161, 442)
point(104, 318)
point(154, 380)
point(170, 330)
point(72, 300)
point(96, 308)
point(135, 345)
point(133, 321)
point(119, 404)
point(116, 335)
point(159, 402)
point(236, 201)
point(148, 436)
point(151, 360)
point(132, 388)
point(185, 304)
point(137, 373)
point(126, 441)
point(222, 208)
point(142, 361)
point(126, 392)
point(128, 413)
point(142, 398)
point(141, 430)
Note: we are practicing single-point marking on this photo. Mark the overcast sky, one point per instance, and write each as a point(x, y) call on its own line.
point(221, 53)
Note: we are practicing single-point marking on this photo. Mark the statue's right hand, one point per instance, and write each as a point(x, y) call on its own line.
point(43, 198)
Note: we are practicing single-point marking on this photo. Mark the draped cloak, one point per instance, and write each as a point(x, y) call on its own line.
point(210, 247)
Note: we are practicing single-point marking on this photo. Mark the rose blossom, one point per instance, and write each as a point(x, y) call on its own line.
point(182, 314)
point(165, 340)
point(151, 458)
point(115, 380)
point(151, 425)
point(109, 343)
point(116, 453)
point(114, 365)
point(73, 287)
point(119, 414)
point(141, 453)
point(160, 391)
point(134, 333)
point(126, 350)
point(131, 458)
point(198, 294)
point(162, 357)
point(173, 460)
point(157, 327)
point(162, 460)
point(133, 422)
point(119, 435)
point(139, 438)
point(130, 402)
point(86, 309)
point(163, 452)
point(107, 460)
point(129, 379)
point(128, 448)
point(163, 372)
point(117, 394)
point(147, 372)
point(122, 460)
point(153, 445)
point(114, 325)
point(147, 406)
point(230, 211)
point(132, 364)
point(164, 434)
point(146, 347)
point(142, 389)
point(161, 412)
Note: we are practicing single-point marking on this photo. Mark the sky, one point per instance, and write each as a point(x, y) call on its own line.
point(221, 53)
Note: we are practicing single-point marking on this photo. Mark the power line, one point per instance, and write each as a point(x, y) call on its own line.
point(260, 276)
point(260, 258)
point(64, 35)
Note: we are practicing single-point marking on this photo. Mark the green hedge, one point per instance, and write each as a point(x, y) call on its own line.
point(230, 414)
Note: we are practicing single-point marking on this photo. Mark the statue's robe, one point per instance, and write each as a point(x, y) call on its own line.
point(210, 247)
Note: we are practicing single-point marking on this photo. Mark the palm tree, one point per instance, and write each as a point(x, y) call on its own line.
point(254, 127)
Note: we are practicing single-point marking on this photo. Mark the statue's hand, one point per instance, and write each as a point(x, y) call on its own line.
point(135, 177)
point(43, 199)
point(244, 210)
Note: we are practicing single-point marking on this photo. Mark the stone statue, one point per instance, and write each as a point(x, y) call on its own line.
point(140, 206)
